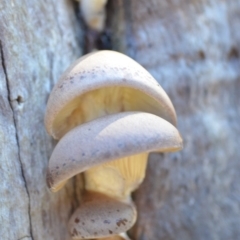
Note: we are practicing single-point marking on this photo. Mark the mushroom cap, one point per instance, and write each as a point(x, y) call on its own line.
point(82, 83)
point(101, 216)
point(94, 13)
point(109, 138)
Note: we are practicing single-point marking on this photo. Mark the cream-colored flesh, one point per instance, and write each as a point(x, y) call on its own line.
point(117, 178)
point(94, 13)
point(102, 102)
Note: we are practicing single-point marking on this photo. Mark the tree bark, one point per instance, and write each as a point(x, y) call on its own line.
point(38, 41)
point(192, 48)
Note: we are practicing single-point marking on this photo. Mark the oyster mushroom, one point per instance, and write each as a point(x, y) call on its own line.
point(94, 13)
point(101, 216)
point(108, 113)
point(100, 84)
point(114, 149)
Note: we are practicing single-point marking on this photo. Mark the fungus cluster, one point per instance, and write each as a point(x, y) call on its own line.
point(108, 113)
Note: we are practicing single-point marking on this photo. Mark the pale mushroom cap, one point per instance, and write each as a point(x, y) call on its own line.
point(101, 216)
point(94, 13)
point(103, 83)
point(117, 178)
point(109, 138)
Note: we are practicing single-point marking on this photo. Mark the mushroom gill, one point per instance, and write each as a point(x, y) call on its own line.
point(102, 102)
point(117, 178)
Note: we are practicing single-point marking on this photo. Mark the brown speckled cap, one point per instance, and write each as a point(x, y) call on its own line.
point(101, 216)
point(109, 138)
point(104, 69)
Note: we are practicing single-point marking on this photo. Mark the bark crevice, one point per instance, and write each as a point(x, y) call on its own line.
point(16, 135)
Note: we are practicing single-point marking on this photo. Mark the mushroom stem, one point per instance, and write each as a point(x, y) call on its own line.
point(117, 178)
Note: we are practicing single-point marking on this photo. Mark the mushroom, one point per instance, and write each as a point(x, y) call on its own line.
point(101, 216)
point(100, 84)
point(94, 13)
point(98, 145)
point(108, 113)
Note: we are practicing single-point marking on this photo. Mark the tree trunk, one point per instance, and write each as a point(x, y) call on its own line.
point(38, 40)
point(192, 48)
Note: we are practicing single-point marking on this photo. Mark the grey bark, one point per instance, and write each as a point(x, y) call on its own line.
point(192, 48)
point(38, 40)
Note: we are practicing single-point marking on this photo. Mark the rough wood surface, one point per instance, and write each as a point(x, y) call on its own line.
point(192, 48)
point(38, 40)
